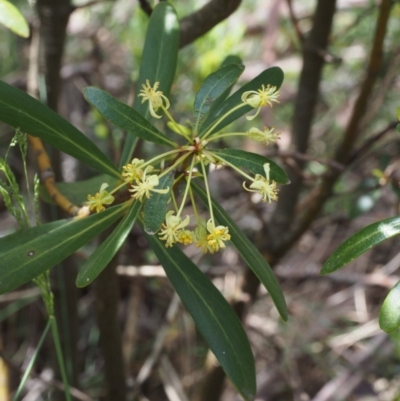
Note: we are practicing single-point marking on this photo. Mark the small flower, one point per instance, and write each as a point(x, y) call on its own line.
point(132, 171)
point(264, 137)
point(155, 98)
point(262, 97)
point(264, 186)
point(147, 184)
point(186, 237)
point(172, 229)
point(200, 236)
point(217, 236)
point(101, 198)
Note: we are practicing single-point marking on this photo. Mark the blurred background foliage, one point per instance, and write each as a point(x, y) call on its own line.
point(332, 341)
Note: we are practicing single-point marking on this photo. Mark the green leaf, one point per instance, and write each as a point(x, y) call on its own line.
point(214, 317)
point(20, 110)
point(11, 18)
point(155, 208)
point(217, 102)
point(102, 256)
point(160, 54)
point(272, 76)
point(28, 253)
point(254, 163)
point(389, 315)
point(124, 117)
point(249, 253)
point(77, 192)
point(360, 242)
point(213, 87)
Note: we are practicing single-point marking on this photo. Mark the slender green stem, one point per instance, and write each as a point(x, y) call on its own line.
point(187, 187)
point(60, 358)
point(32, 362)
point(174, 200)
point(208, 191)
point(196, 214)
point(176, 125)
point(177, 163)
point(231, 165)
point(163, 155)
point(214, 137)
point(209, 131)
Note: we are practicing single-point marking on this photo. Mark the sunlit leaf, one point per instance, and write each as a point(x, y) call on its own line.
point(22, 111)
point(254, 163)
point(28, 253)
point(155, 208)
point(213, 87)
point(214, 317)
point(124, 117)
point(102, 256)
point(361, 242)
point(11, 17)
point(272, 76)
point(389, 315)
point(249, 253)
point(158, 64)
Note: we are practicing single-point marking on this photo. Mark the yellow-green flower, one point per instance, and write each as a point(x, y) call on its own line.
point(200, 236)
point(156, 98)
point(186, 237)
point(264, 137)
point(217, 236)
point(98, 201)
point(264, 186)
point(262, 97)
point(146, 184)
point(172, 228)
point(132, 171)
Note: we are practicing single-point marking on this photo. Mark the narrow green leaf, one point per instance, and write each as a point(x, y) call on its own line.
point(254, 163)
point(102, 256)
point(124, 117)
point(360, 242)
point(217, 102)
point(28, 253)
point(214, 317)
point(389, 315)
point(155, 208)
point(213, 87)
point(20, 110)
point(11, 18)
point(160, 54)
point(272, 76)
point(249, 253)
point(77, 192)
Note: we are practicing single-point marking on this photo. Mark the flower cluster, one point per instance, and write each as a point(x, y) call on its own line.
point(186, 163)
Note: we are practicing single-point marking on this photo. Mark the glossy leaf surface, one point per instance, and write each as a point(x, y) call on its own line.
point(20, 110)
point(214, 317)
point(361, 242)
point(250, 254)
point(213, 87)
point(254, 163)
point(272, 76)
point(155, 207)
point(389, 315)
point(102, 256)
point(159, 60)
point(28, 253)
point(124, 117)
point(11, 18)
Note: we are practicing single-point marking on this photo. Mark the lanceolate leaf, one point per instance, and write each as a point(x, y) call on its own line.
point(155, 207)
point(28, 253)
point(360, 242)
point(102, 256)
point(389, 315)
point(272, 76)
point(216, 103)
point(254, 163)
point(213, 87)
point(124, 117)
point(249, 253)
point(23, 111)
point(159, 59)
point(214, 317)
point(13, 19)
